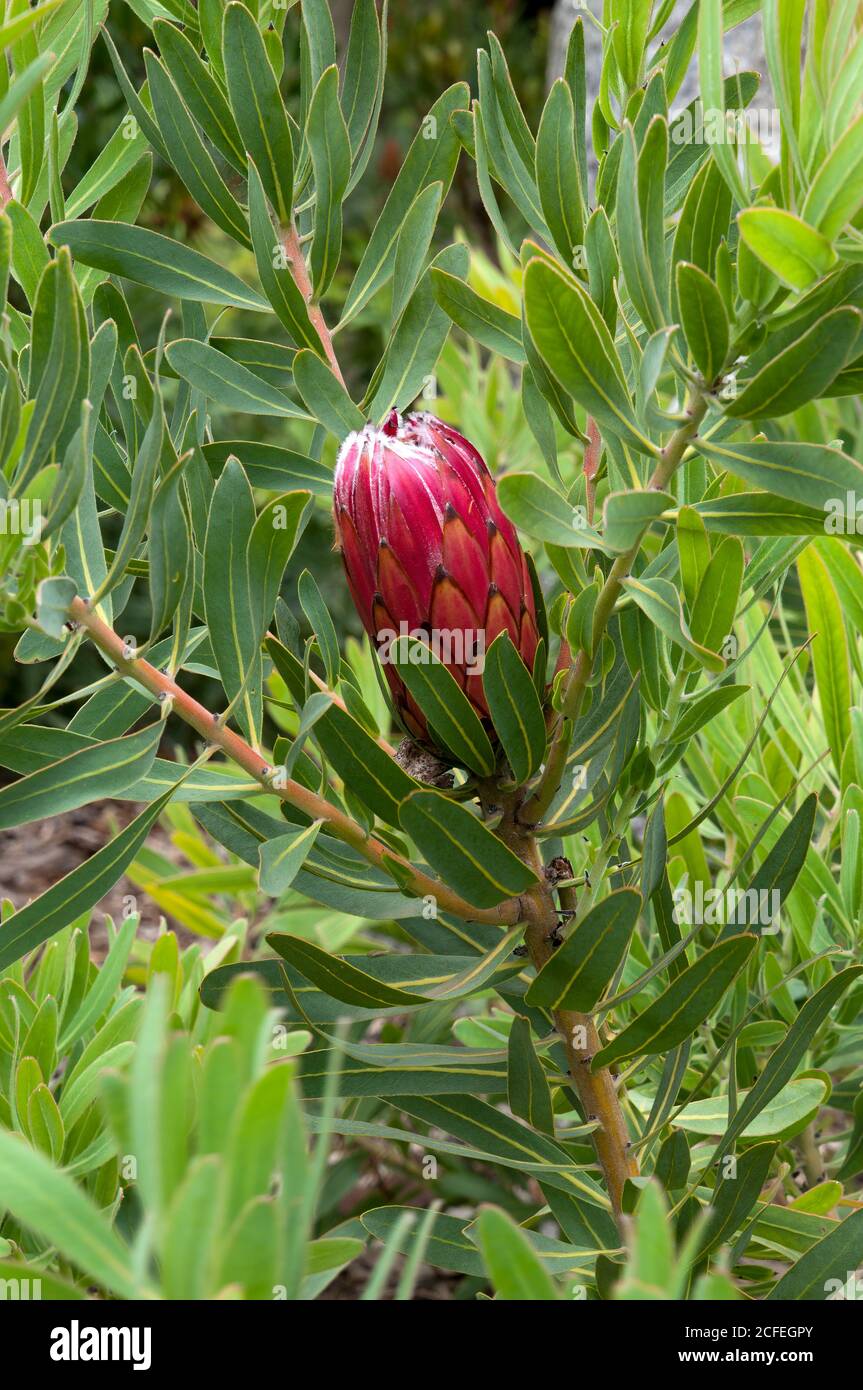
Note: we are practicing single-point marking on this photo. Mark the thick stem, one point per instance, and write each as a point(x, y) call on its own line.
point(595, 1090)
point(537, 805)
point(299, 270)
point(215, 731)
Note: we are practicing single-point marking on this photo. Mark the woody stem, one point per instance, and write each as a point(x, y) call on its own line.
point(215, 731)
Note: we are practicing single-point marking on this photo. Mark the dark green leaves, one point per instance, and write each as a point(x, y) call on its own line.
point(827, 1266)
point(460, 848)
point(576, 345)
point(443, 702)
point(704, 319)
point(330, 149)
point(685, 1004)
point(431, 158)
point(557, 176)
point(803, 371)
point(103, 770)
point(155, 261)
point(78, 892)
point(580, 970)
point(514, 707)
point(813, 474)
point(258, 109)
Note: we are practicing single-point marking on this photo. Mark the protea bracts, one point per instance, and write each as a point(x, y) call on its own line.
point(427, 550)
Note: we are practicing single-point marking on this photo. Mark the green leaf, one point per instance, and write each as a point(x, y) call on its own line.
point(412, 246)
point(736, 1195)
point(201, 92)
point(227, 599)
point(79, 891)
point(101, 770)
point(580, 970)
point(626, 515)
point(429, 160)
point(274, 537)
point(443, 702)
point(514, 1269)
point(796, 253)
point(836, 192)
point(787, 1112)
point(783, 1062)
point(803, 371)
point(190, 156)
point(574, 342)
point(715, 606)
point(361, 83)
point(170, 551)
point(258, 108)
point(50, 1203)
point(325, 396)
point(342, 980)
point(283, 857)
point(226, 382)
point(812, 474)
point(830, 655)
point(557, 175)
point(826, 1266)
point(759, 514)
point(29, 252)
point(330, 149)
point(155, 261)
point(779, 871)
point(495, 328)
point(459, 847)
point(315, 609)
point(270, 466)
point(448, 1247)
point(710, 72)
point(527, 1088)
point(704, 319)
point(684, 1005)
point(417, 341)
point(660, 601)
point(361, 762)
point(541, 511)
point(514, 707)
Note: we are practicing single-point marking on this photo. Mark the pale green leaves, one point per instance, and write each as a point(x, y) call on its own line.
point(796, 253)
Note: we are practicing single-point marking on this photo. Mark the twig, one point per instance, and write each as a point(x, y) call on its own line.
point(214, 731)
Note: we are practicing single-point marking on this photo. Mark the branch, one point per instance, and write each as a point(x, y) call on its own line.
point(299, 270)
point(537, 805)
point(214, 731)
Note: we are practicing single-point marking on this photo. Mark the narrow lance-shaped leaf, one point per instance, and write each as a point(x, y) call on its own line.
point(575, 343)
point(514, 707)
point(97, 771)
point(330, 150)
point(582, 968)
point(258, 108)
point(467, 855)
point(155, 261)
point(685, 1004)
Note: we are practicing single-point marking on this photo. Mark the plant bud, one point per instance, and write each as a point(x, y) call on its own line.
point(428, 551)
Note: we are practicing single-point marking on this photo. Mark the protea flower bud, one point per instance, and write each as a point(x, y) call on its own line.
point(427, 550)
